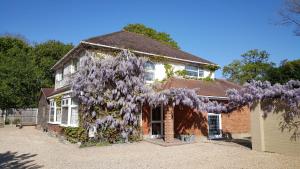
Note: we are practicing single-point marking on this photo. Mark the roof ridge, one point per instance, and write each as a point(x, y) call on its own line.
point(105, 35)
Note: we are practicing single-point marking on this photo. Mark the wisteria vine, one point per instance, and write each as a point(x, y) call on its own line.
point(112, 89)
point(275, 97)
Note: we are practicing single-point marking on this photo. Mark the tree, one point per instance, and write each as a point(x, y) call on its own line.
point(150, 32)
point(291, 15)
point(253, 66)
point(46, 55)
point(17, 74)
point(25, 68)
point(288, 70)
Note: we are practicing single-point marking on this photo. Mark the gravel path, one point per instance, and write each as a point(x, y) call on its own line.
point(29, 147)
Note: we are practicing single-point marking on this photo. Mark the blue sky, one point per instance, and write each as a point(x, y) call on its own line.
point(216, 30)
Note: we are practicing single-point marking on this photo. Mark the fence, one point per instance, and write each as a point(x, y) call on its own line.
point(23, 116)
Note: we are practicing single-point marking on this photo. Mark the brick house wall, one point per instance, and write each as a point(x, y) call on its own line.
point(55, 129)
point(237, 121)
point(191, 121)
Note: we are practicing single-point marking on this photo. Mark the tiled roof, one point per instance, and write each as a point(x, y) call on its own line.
point(47, 91)
point(216, 88)
point(138, 42)
point(60, 90)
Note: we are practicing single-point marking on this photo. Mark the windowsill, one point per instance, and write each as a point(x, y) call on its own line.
point(66, 125)
point(53, 122)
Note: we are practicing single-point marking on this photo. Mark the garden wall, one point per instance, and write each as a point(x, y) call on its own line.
point(267, 134)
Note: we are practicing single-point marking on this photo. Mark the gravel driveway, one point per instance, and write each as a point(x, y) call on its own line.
point(32, 148)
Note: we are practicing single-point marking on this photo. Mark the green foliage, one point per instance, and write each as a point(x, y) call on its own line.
point(111, 135)
point(16, 121)
point(253, 66)
point(46, 55)
point(182, 73)
point(7, 121)
point(75, 134)
point(150, 32)
point(57, 100)
point(288, 70)
point(169, 70)
point(18, 84)
point(212, 68)
point(25, 68)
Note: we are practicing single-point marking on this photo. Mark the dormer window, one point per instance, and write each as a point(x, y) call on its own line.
point(149, 69)
point(194, 71)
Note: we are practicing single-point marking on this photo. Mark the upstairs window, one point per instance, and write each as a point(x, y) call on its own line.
point(150, 69)
point(191, 71)
point(194, 71)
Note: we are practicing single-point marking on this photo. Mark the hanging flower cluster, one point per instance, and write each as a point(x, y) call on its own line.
point(288, 93)
point(273, 98)
point(186, 97)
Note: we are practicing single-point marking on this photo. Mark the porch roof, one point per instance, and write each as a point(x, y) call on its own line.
point(215, 88)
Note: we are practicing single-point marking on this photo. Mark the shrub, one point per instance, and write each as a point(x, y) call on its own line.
point(16, 121)
point(7, 121)
point(75, 134)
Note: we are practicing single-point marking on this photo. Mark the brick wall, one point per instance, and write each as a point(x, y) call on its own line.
point(189, 120)
point(55, 128)
point(237, 121)
point(146, 110)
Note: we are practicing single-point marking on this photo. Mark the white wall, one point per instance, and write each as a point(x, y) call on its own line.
point(160, 70)
point(159, 73)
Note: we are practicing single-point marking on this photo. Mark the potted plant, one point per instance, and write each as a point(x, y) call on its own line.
point(187, 137)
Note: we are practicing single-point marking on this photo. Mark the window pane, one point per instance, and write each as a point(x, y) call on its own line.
point(74, 116)
point(149, 66)
point(156, 129)
point(149, 76)
point(74, 102)
point(156, 114)
point(191, 73)
point(201, 73)
point(64, 118)
point(58, 115)
point(193, 68)
point(51, 115)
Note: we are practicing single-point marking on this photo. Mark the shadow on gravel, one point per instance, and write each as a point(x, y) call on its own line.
point(242, 142)
point(12, 160)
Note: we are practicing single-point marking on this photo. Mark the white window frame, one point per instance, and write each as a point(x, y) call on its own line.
point(220, 125)
point(161, 123)
point(71, 107)
point(65, 104)
point(198, 71)
point(52, 105)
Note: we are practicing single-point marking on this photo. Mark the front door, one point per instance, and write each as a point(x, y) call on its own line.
point(157, 122)
point(214, 126)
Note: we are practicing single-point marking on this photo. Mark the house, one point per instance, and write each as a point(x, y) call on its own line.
point(156, 121)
